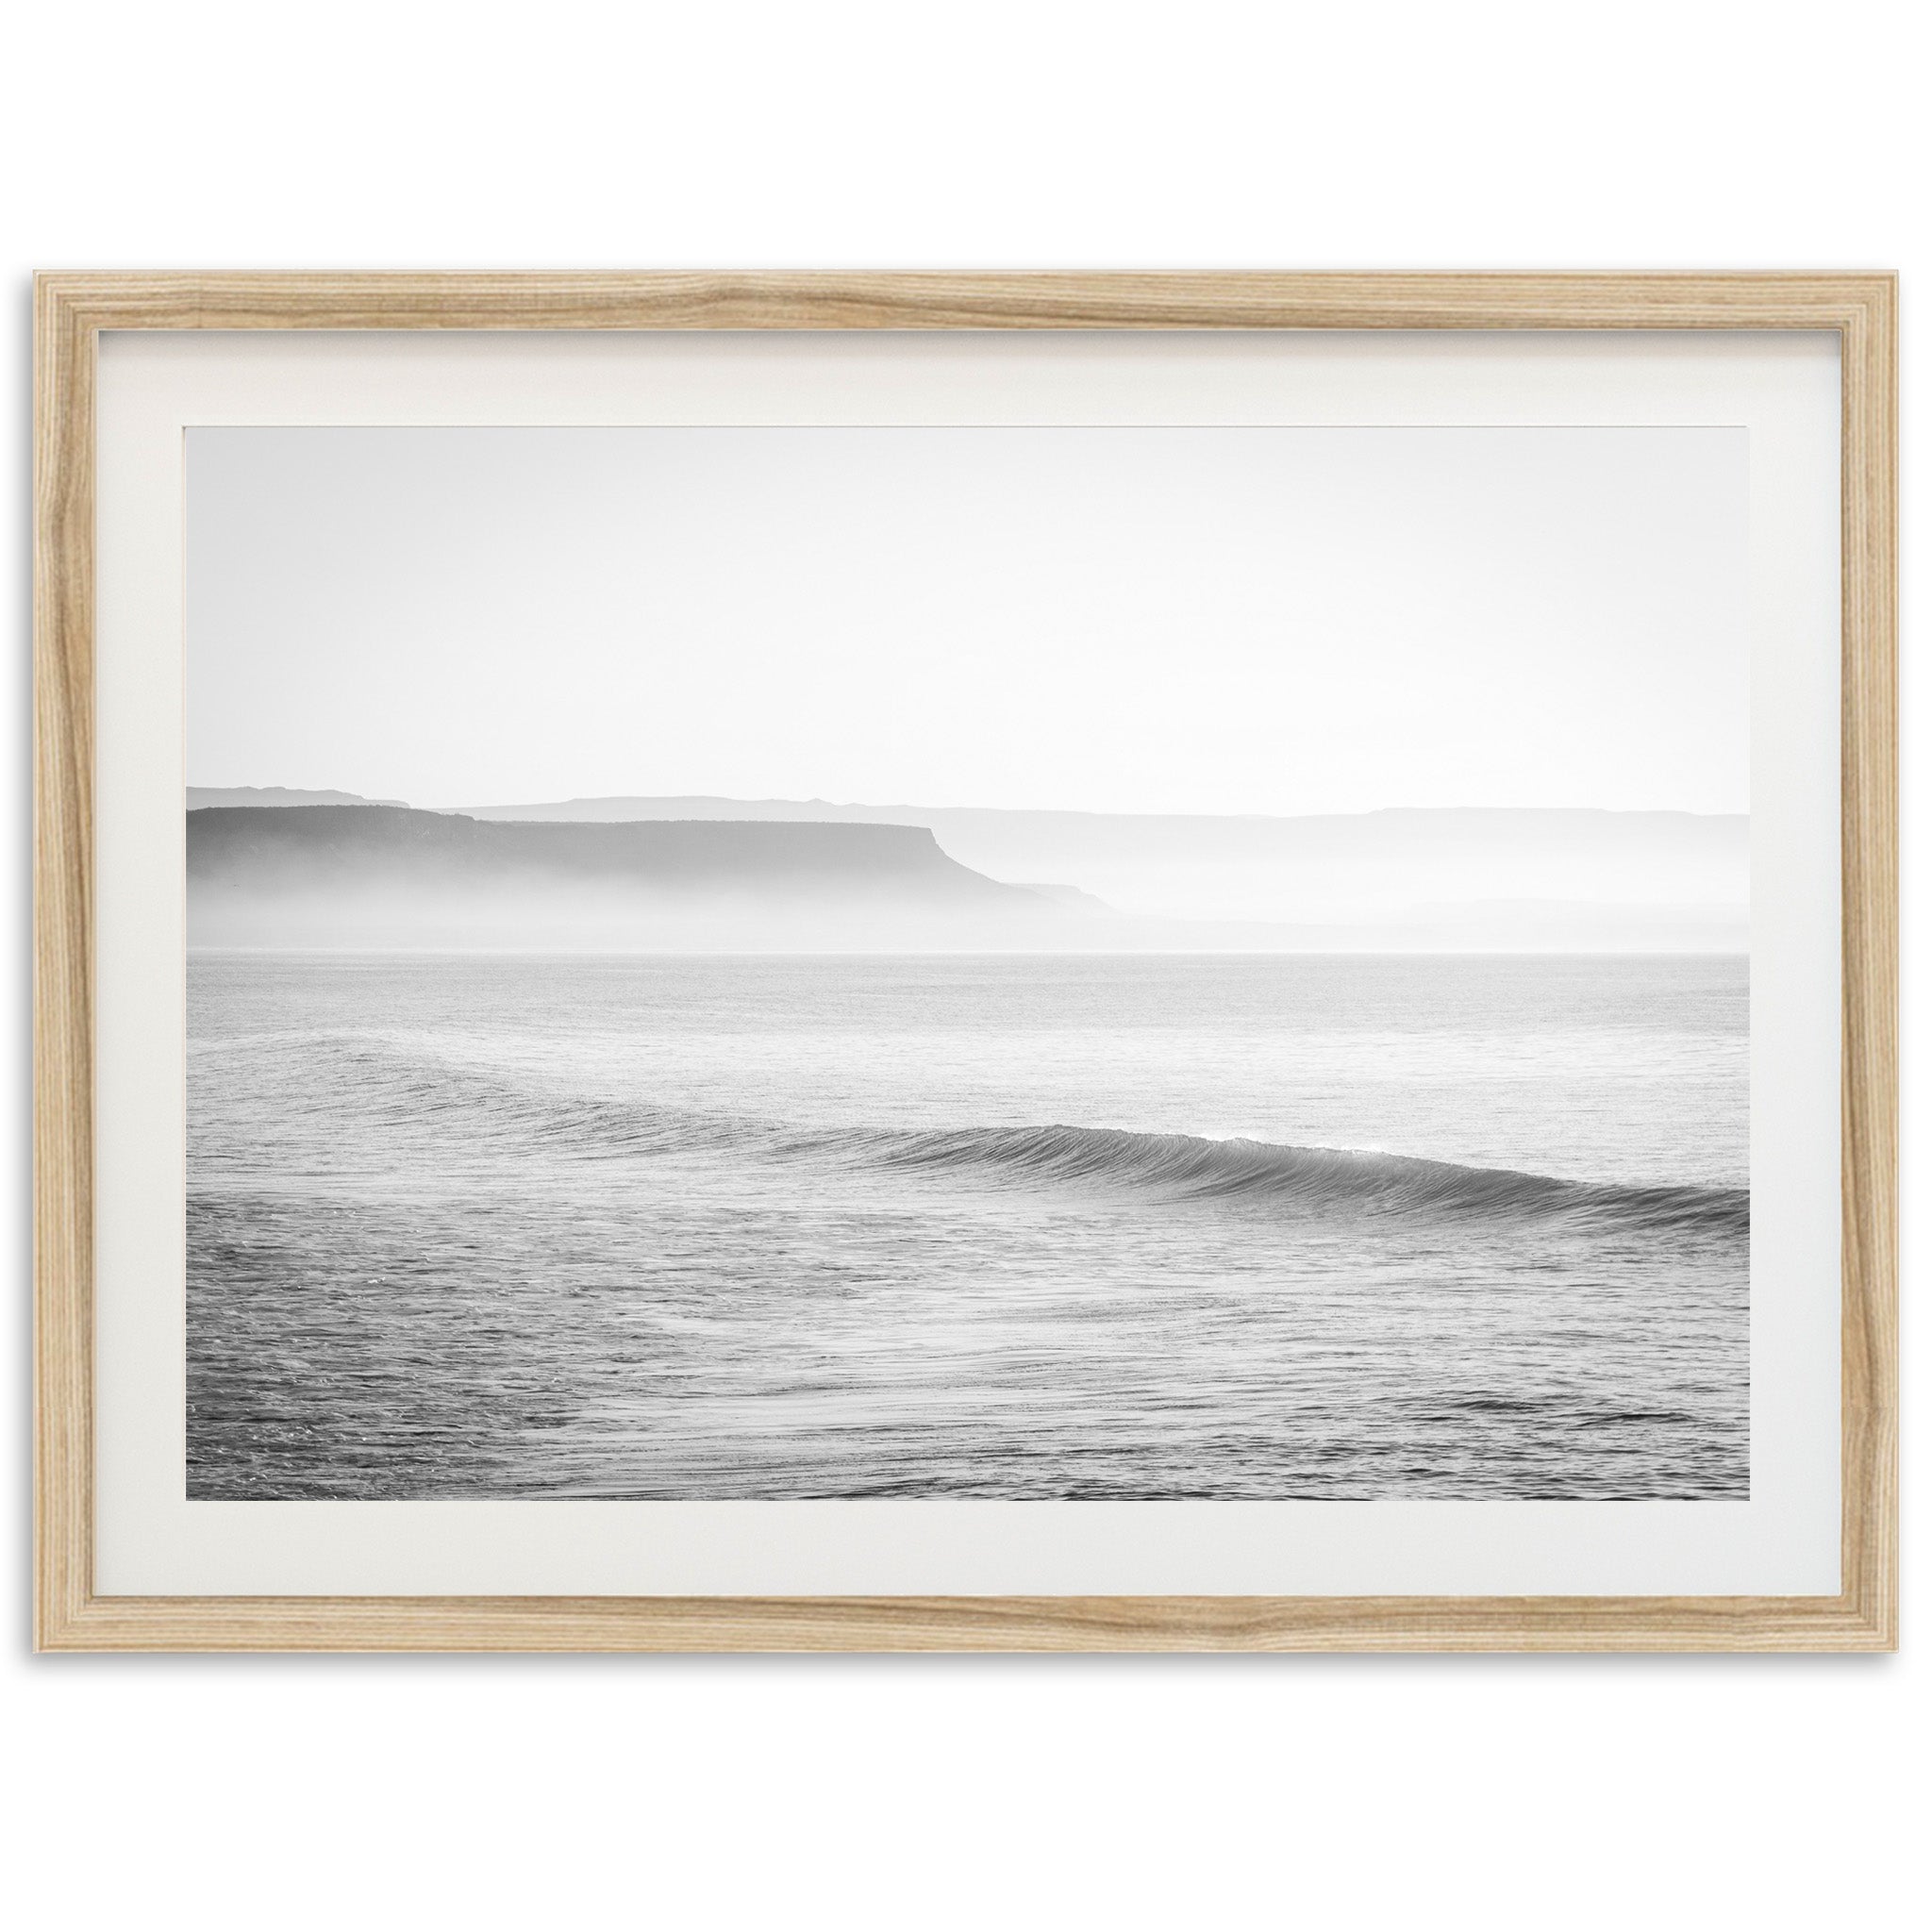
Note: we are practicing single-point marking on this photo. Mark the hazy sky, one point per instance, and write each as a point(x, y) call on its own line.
point(1255, 619)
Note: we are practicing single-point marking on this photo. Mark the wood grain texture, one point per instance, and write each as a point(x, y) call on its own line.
point(72, 310)
point(1869, 1082)
point(63, 964)
point(705, 301)
point(970, 1623)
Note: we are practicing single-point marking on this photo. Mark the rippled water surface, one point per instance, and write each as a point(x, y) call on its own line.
point(495, 1226)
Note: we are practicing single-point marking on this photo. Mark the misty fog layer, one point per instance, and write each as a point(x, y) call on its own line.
point(1342, 869)
point(722, 874)
point(350, 874)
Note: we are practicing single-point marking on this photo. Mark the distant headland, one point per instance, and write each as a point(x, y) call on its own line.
point(272, 865)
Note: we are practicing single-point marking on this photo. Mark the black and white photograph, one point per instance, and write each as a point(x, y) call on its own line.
point(1032, 963)
point(959, 967)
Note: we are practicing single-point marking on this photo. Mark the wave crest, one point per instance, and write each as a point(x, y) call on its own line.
point(440, 1098)
point(1188, 1167)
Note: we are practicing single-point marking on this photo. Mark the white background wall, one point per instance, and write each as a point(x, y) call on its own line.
point(1044, 134)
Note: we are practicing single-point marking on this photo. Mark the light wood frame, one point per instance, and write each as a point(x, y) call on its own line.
point(71, 311)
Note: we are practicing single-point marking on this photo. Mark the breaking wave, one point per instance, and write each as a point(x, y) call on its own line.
point(1188, 1167)
point(453, 1105)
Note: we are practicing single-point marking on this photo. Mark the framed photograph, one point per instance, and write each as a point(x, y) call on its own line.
point(966, 962)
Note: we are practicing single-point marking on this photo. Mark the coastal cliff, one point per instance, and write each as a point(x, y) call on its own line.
point(337, 847)
point(343, 874)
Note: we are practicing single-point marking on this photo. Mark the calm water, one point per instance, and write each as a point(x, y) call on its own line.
point(497, 1225)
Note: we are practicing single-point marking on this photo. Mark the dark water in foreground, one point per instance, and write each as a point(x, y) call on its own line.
point(1119, 1226)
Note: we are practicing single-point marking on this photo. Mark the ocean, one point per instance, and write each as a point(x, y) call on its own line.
point(1126, 1227)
